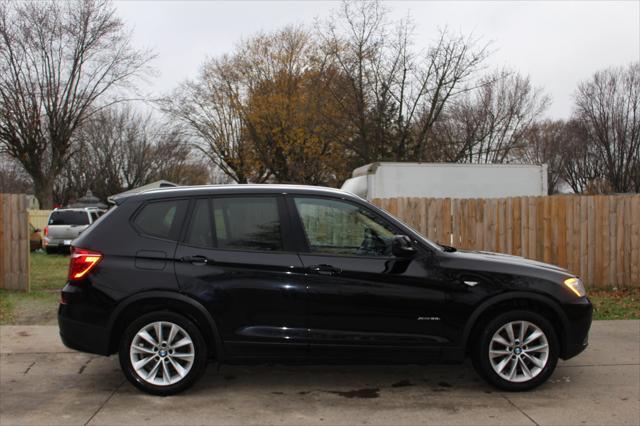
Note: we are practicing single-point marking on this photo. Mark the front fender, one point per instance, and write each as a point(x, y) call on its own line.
point(514, 296)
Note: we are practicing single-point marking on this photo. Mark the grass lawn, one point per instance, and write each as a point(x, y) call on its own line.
point(615, 304)
point(49, 274)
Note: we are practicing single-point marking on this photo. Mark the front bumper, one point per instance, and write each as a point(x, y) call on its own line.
point(579, 315)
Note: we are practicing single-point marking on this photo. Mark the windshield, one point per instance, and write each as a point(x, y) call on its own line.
point(69, 217)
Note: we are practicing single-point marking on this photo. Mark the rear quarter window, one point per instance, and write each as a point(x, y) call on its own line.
point(161, 219)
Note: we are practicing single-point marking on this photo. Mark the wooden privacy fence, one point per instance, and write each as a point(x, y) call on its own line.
point(596, 237)
point(14, 242)
point(38, 218)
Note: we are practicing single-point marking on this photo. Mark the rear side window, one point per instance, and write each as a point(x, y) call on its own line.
point(68, 217)
point(161, 219)
point(251, 223)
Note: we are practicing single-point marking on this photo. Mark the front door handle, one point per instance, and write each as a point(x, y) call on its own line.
point(196, 260)
point(325, 269)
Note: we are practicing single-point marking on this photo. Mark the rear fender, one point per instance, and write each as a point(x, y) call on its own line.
point(165, 298)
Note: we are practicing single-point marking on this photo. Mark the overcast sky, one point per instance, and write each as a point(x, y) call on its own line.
point(558, 44)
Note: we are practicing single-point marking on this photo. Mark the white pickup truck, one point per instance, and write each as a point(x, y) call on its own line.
point(64, 225)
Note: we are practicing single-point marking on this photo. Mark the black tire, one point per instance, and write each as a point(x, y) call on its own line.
point(482, 362)
point(51, 250)
point(199, 361)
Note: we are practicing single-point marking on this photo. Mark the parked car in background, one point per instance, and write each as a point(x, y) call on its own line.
point(35, 238)
point(170, 278)
point(66, 224)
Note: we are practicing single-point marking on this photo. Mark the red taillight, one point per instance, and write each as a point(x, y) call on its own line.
point(82, 262)
point(46, 231)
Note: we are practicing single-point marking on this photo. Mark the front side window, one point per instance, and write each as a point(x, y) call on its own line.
point(341, 228)
point(158, 219)
point(247, 223)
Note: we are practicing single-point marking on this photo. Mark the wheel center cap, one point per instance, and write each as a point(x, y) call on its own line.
point(163, 353)
point(517, 351)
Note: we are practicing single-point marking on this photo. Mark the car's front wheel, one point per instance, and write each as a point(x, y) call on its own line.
point(163, 353)
point(517, 351)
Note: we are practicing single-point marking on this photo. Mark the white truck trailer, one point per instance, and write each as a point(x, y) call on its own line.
point(447, 180)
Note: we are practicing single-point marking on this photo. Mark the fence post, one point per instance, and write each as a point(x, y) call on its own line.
point(14, 242)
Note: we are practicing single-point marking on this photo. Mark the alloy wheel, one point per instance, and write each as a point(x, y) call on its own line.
point(518, 351)
point(162, 353)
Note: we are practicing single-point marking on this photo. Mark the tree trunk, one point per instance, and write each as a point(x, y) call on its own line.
point(44, 191)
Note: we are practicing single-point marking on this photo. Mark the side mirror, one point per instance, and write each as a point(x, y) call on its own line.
point(401, 246)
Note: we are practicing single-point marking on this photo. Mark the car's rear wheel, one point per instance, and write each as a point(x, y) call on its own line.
point(163, 353)
point(516, 351)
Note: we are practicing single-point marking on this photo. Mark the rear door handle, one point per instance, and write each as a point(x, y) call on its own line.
point(196, 260)
point(325, 269)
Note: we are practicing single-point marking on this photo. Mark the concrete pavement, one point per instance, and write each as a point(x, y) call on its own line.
point(42, 382)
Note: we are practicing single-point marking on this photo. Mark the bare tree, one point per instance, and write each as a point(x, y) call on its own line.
point(450, 64)
point(60, 62)
point(301, 106)
point(176, 161)
point(209, 107)
point(583, 168)
point(608, 106)
point(548, 142)
point(123, 149)
point(354, 37)
point(489, 124)
point(13, 179)
point(394, 93)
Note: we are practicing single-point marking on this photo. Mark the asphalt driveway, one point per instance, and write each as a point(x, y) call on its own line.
point(42, 382)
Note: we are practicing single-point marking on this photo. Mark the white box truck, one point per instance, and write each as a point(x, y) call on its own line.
point(447, 180)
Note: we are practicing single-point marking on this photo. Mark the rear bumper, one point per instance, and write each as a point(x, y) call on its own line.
point(56, 242)
point(83, 337)
point(82, 320)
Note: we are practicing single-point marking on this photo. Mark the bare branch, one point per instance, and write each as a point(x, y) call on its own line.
point(59, 64)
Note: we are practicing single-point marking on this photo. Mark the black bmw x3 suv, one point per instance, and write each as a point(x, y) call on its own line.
point(172, 278)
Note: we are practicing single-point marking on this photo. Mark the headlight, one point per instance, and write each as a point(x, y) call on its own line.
point(576, 286)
